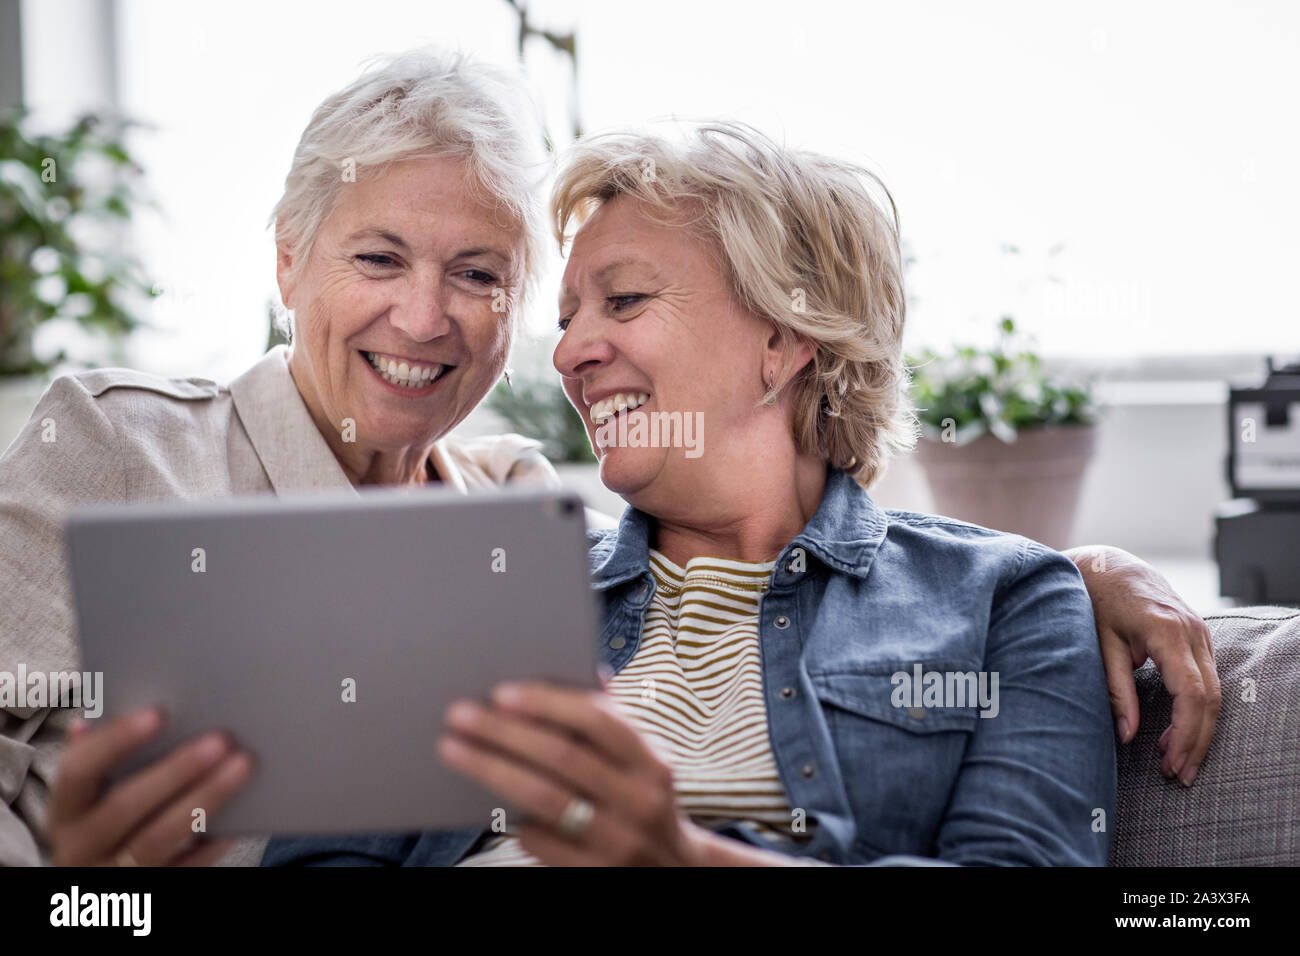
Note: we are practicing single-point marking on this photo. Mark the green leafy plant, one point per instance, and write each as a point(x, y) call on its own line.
point(541, 410)
point(994, 391)
point(53, 204)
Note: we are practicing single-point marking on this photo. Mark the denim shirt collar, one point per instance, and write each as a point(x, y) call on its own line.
point(844, 534)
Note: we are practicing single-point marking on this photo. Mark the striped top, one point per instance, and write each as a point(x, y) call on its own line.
point(694, 688)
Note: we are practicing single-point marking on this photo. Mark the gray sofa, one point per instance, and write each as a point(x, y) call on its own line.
point(1244, 808)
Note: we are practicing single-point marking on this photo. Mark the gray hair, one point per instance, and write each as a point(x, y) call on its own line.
point(424, 102)
point(806, 243)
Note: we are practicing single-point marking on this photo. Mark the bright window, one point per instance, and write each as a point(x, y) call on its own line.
point(1153, 140)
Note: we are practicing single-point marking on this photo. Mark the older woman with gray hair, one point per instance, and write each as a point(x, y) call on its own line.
point(407, 237)
point(795, 673)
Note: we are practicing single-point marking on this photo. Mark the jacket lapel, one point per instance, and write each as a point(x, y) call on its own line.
point(287, 442)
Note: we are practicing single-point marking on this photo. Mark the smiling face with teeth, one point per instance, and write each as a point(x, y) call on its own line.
point(605, 409)
point(651, 324)
point(398, 313)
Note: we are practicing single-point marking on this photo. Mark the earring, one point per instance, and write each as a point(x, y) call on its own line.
point(505, 373)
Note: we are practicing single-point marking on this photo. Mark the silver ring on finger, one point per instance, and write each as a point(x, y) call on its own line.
point(576, 817)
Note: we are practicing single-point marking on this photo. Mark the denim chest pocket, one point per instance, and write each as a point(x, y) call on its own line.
point(619, 631)
point(899, 764)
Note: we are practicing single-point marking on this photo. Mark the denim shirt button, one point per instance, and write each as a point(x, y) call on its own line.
point(782, 622)
point(787, 692)
point(617, 643)
point(808, 770)
point(916, 713)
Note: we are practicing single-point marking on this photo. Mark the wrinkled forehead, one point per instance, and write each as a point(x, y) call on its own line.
point(625, 240)
point(426, 199)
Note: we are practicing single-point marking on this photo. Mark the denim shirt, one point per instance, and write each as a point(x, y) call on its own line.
point(877, 632)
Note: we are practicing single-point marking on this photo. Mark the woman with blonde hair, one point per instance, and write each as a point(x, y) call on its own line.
point(795, 673)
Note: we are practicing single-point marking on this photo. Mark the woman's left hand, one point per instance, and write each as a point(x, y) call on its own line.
point(1139, 615)
point(544, 746)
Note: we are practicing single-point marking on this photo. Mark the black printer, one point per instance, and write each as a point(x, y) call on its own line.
point(1257, 533)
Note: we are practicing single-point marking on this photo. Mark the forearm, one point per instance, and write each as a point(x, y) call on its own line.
point(1098, 564)
point(717, 850)
point(1123, 588)
point(1099, 558)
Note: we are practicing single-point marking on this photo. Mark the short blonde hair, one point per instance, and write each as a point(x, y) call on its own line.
point(806, 246)
point(423, 102)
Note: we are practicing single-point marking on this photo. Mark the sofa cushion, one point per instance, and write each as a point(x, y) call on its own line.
point(1244, 808)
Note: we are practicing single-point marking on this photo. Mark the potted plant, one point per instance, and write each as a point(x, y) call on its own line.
point(63, 199)
point(1003, 445)
point(541, 410)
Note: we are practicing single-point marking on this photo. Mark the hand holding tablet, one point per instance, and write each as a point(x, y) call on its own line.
point(326, 636)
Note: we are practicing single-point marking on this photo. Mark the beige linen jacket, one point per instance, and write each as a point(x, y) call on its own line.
point(116, 435)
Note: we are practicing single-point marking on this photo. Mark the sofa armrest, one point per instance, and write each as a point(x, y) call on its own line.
point(1244, 809)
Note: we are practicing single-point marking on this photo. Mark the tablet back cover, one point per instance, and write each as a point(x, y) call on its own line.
point(327, 633)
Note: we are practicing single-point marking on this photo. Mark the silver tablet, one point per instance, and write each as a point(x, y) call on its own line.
point(327, 634)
